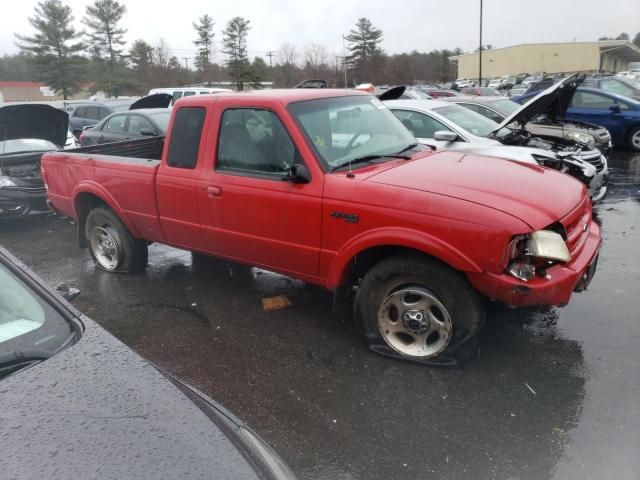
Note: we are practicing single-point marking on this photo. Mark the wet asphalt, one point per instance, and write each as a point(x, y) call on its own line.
point(554, 394)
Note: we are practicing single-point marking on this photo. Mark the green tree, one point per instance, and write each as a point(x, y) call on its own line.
point(204, 44)
point(623, 36)
point(141, 61)
point(364, 46)
point(234, 41)
point(259, 72)
point(55, 46)
point(107, 41)
point(636, 40)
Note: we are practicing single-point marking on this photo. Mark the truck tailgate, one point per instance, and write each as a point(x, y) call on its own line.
point(126, 184)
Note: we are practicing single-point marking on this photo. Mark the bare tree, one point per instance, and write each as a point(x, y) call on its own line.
point(286, 62)
point(287, 54)
point(315, 57)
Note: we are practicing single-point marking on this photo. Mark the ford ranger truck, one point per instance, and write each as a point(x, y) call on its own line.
point(329, 187)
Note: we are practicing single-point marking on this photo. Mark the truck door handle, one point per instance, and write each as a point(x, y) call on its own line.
point(214, 192)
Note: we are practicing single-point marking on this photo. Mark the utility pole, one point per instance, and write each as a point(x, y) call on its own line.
point(480, 59)
point(270, 54)
point(186, 68)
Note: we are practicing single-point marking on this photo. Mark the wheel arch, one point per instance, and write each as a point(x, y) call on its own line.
point(90, 195)
point(365, 250)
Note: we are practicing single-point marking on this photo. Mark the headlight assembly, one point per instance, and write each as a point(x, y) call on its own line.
point(581, 137)
point(531, 254)
point(6, 182)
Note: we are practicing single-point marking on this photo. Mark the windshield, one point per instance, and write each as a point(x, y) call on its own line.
point(23, 145)
point(27, 324)
point(468, 120)
point(162, 119)
point(505, 106)
point(342, 129)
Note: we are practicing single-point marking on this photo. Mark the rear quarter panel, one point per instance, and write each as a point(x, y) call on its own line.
point(126, 185)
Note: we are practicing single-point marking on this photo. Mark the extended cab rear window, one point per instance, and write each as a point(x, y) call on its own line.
point(184, 143)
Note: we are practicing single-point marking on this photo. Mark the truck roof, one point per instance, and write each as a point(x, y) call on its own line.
point(282, 95)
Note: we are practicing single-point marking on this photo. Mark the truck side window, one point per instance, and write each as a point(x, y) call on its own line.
point(184, 143)
point(254, 140)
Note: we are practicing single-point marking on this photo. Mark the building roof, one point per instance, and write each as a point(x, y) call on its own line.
point(21, 84)
point(627, 49)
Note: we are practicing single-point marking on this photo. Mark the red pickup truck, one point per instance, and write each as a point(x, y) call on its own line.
point(329, 187)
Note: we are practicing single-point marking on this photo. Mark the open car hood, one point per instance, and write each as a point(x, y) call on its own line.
point(157, 100)
point(552, 102)
point(43, 122)
point(393, 93)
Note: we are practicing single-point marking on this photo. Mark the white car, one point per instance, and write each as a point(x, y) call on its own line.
point(463, 83)
point(495, 83)
point(445, 126)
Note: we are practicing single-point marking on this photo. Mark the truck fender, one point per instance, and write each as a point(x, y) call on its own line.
point(396, 237)
point(99, 191)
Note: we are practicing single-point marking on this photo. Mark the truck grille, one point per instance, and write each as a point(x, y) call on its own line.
point(576, 226)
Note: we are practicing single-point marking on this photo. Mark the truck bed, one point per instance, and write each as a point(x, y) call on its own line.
point(112, 171)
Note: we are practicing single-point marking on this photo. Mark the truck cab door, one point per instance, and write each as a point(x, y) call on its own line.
point(177, 180)
point(253, 211)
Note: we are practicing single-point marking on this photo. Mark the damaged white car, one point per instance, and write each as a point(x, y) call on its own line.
point(445, 126)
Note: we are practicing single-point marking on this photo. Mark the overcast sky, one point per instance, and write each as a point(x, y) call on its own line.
point(409, 24)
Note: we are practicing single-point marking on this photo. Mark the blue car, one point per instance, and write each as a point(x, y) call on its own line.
point(618, 114)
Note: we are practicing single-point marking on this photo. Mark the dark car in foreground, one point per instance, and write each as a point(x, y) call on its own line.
point(26, 132)
point(77, 403)
point(118, 127)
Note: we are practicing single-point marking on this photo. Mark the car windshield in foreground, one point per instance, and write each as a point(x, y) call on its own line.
point(506, 106)
point(471, 121)
point(343, 129)
point(25, 145)
point(31, 330)
point(162, 119)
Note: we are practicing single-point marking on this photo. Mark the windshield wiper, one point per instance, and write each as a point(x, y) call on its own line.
point(409, 147)
point(11, 362)
point(370, 158)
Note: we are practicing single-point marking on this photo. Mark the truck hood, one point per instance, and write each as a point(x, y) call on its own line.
point(536, 195)
point(42, 122)
point(552, 102)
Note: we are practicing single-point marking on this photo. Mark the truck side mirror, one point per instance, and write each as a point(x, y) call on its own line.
point(298, 173)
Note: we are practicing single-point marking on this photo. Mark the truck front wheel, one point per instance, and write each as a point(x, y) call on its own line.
point(112, 246)
point(417, 308)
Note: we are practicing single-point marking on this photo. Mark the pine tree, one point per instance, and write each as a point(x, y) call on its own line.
point(105, 35)
point(636, 40)
point(54, 46)
point(204, 44)
point(364, 41)
point(234, 41)
point(106, 39)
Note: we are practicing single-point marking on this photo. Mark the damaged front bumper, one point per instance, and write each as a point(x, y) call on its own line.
point(555, 289)
point(20, 201)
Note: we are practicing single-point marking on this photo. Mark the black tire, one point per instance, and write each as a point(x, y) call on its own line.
point(415, 272)
point(633, 138)
point(132, 253)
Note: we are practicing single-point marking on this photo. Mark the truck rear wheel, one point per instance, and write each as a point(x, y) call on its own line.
point(419, 309)
point(111, 245)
